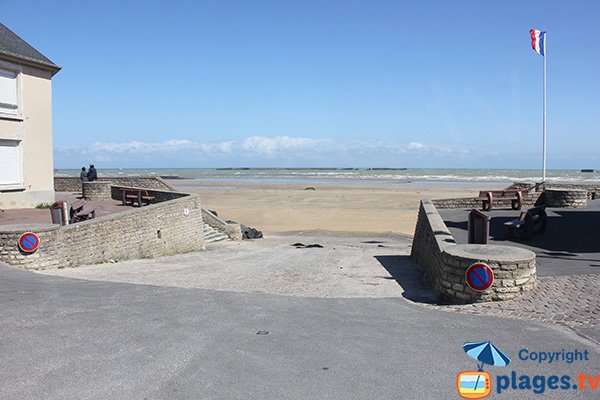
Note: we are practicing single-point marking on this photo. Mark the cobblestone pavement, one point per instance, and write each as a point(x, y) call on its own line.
point(573, 301)
point(568, 273)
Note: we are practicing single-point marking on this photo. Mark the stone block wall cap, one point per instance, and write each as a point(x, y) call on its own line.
point(564, 189)
point(36, 228)
point(484, 252)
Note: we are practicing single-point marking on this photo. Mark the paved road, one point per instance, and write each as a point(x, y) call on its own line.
point(64, 338)
point(376, 267)
point(340, 267)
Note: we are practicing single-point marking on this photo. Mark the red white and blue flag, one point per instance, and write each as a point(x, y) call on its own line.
point(538, 41)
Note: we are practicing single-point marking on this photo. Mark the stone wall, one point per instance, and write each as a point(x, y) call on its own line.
point(234, 231)
point(573, 199)
point(464, 202)
point(566, 198)
point(444, 263)
point(159, 195)
point(73, 184)
point(97, 190)
point(430, 241)
point(593, 190)
point(471, 202)
point(161, 229)
point(513, 267)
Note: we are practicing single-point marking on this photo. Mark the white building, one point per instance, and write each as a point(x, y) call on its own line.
point(26, 160)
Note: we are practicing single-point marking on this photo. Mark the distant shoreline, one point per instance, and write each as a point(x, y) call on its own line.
point(352, 176)
point(306, 169)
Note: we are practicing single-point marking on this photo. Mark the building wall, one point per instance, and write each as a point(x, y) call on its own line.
point(33, 127)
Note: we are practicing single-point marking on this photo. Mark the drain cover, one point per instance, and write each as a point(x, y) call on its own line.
point(262, 333)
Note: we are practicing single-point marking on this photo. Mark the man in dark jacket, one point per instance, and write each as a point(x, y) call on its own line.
point(92, 175)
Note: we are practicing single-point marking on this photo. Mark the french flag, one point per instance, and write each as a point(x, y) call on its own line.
point(538, 41)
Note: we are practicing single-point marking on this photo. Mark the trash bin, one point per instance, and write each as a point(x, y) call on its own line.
point(59, 214)
point(478, 227)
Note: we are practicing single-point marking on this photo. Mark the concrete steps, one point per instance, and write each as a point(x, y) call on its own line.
point(212, 235)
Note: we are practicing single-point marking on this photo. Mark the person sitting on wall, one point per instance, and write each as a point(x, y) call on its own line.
point(83, 175)
point(92, 174)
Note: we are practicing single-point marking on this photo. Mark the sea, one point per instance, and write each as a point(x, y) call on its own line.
point(358, 176)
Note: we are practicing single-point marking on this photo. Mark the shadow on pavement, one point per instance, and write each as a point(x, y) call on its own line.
point(569, 245)
point(407, 274)
point(568, 232)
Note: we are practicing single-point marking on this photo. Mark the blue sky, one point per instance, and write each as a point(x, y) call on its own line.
point(317, 83)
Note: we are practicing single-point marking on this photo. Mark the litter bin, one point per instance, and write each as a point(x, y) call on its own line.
point(59, 214)
point(478, 227)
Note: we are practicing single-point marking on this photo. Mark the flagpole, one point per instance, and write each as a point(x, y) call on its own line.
point(544, 126)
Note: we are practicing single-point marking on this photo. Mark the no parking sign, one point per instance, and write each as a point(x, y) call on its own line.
point(479, 277)
point(29, 242)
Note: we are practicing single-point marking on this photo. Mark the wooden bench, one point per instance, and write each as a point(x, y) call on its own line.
point(78, 212)
point(529, 222)
point(487, 198)
point(139, 196)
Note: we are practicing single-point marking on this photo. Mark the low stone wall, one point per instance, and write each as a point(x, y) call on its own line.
point(73, 184)
point(431, 239)
point(566, 198)
point(444, 263)
point(234, 231)
point(592, 189)
point(464, 202)
point(161, 229)
point(513, 267)
point(530, 186)
point(97, 190)
point(159, 195)
point(471, 202)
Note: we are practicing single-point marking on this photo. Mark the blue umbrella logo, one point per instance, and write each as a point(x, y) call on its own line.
point(486, 353)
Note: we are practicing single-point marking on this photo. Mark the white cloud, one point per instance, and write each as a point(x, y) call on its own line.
point(269, 145)
point(415, 146)
point(225, 147)
point(177, 142)
point(258, 149)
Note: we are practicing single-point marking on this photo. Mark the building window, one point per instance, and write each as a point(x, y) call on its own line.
point(11, 164)
point(8, 92)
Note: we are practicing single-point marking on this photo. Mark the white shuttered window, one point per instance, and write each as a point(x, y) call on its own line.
point(8, 91)
point(11, 165)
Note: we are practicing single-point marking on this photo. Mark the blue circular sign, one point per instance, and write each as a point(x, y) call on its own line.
point(29, 242)
point(479, 277)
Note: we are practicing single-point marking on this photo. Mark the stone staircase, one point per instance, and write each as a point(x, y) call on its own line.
point(212, 235)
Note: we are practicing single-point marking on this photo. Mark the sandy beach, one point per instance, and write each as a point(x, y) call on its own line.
point(342, 209)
